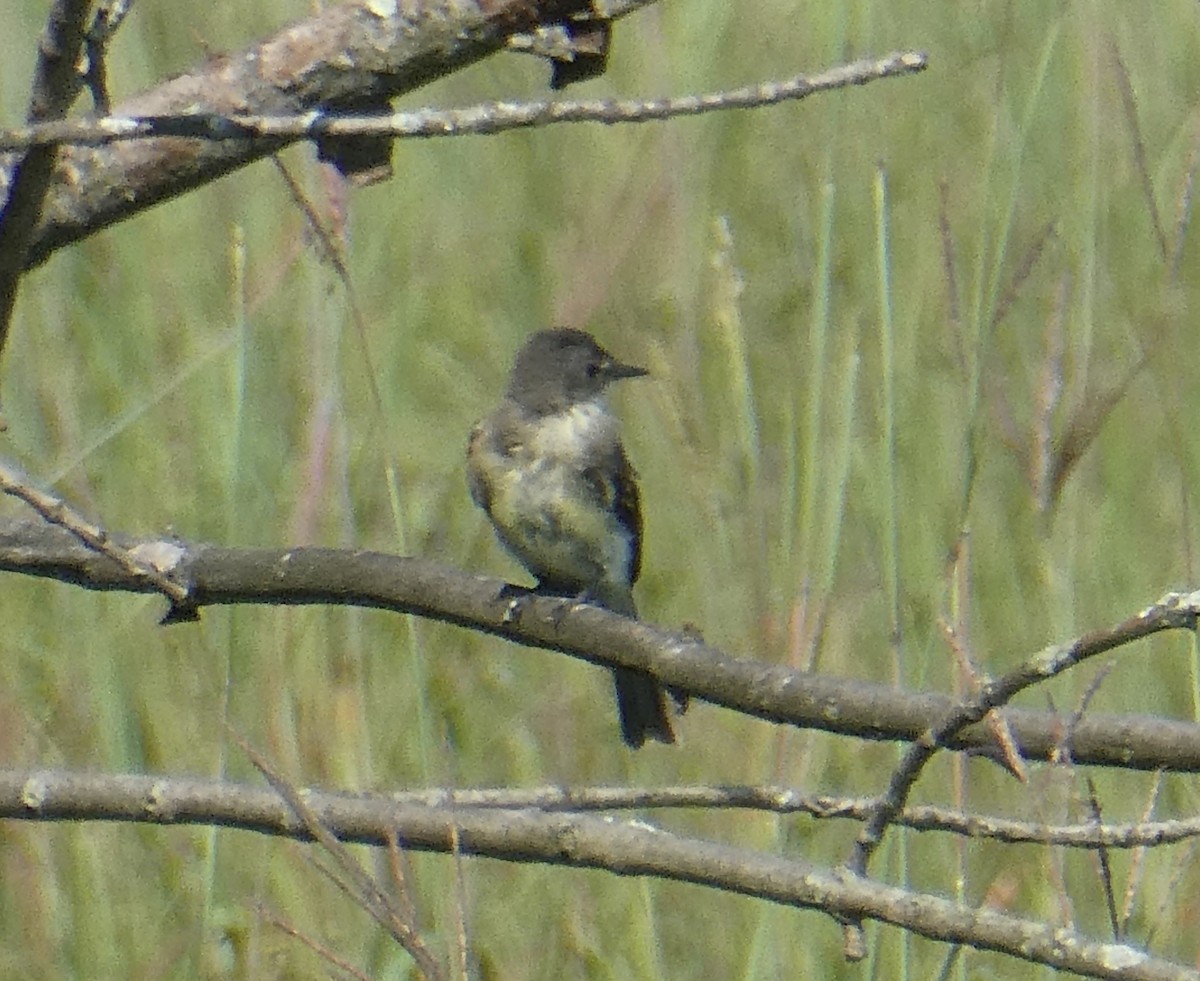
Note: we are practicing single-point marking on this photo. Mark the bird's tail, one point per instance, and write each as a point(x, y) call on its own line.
point(641, 701)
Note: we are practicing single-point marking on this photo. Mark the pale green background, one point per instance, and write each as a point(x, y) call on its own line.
point(151, 391)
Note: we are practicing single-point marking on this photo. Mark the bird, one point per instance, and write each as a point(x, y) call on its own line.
point(548, 467)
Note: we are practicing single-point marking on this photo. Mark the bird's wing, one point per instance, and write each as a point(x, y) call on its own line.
point(492, 445)
point(477, 482)
point(616, 487)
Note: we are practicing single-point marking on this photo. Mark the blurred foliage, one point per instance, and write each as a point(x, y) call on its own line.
point(813, 495)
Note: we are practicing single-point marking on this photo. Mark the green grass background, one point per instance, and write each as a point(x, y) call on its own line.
point(831, 416)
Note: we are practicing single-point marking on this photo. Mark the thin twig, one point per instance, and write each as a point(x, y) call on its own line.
point(1009, 754)
point(350, 876)
point(1105, 867)
point(494, 117)
point(1048, 664)
point(149, 564)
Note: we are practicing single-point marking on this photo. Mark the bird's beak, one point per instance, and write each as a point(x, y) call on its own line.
point(615, 369)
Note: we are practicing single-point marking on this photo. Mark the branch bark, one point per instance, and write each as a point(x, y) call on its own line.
point(362, 52)
point(302, 576)
point(577, 841)
point(484, 119)
point(27, 179)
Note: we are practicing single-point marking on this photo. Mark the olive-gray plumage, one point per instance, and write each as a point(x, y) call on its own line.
point(548, 467)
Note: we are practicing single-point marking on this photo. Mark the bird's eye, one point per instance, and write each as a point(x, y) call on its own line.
point(593, 369)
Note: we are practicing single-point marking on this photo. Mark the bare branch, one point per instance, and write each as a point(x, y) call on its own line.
point(222, 576)
point(194, 800)
point(55, 510)
point(357, 52)
point(785, 800)
point(56, 83)
point(1181, 610)
point(631, 848)
point(488, 118)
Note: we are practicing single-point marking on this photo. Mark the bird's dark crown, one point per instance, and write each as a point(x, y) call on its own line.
point(556, 369)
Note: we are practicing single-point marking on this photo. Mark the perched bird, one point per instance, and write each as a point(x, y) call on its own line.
point(548, 467)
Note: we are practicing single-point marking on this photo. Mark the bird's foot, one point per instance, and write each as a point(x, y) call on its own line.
point(515, 599)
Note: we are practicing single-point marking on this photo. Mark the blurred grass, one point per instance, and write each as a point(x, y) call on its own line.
point(199, 369)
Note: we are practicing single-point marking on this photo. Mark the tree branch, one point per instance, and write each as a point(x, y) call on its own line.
point(56, 511)
point(577, 841)
point(1174, 610)
point(786, 800)
point(27, 180)
point(1178, 609)
point(222, 576)
point(487, 118)
point(350, 54)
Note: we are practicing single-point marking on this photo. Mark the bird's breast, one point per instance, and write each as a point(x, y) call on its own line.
point(571, 436)
point(543, 499)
